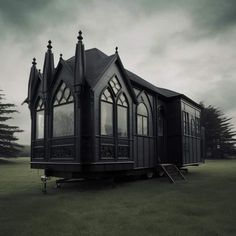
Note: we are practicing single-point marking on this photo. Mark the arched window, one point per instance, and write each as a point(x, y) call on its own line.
point(106, 113)
point(142, 119)
point(63, 112)
point(39, 131)
point(122, 116)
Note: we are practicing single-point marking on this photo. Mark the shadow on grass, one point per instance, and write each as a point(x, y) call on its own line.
point(6, 161)
point(92, 185)
point(109, 184)
point(14, 160)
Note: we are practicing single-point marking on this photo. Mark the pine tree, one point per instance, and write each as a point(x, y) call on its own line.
point(8, 145)
point(219, 134)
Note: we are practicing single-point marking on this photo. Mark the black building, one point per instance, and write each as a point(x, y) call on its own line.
point(91, 116)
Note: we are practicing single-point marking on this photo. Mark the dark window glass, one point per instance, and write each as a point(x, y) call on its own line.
point(63, 112)
point(106, 118)
point(140, 124)
point(122, 121)
point(63, 120)
point(193, 127)
point(142, 119)
point(106, 113)
point(145, 125)
point(39, 132)
point(197, 122)
point(122, 116)
point(40, 124)
point(186, 122)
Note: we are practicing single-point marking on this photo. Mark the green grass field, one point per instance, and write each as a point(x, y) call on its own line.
point(204, 205)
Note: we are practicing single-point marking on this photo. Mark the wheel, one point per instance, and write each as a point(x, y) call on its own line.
point(149, 174)
point(58, 185)
point(161, 173)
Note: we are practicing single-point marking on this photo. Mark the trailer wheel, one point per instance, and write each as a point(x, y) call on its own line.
point(149, 174)
point(58, 185)
point(161, 173)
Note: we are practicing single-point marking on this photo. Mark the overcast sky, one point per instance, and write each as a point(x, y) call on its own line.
point(185, 46)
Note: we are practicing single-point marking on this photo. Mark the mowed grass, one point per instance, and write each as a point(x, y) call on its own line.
point(204, 205)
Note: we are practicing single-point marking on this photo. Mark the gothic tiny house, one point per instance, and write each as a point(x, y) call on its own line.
point(91, 117)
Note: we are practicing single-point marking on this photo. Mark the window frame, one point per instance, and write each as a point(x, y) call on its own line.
point(101, 100)
point(60, 105)
point(142, 116)
point(39, 108)
point(125, 105)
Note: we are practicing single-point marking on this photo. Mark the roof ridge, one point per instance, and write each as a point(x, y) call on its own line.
point(87, 51)
point(151, 86)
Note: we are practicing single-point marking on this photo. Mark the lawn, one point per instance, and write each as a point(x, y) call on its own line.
point(203, 205)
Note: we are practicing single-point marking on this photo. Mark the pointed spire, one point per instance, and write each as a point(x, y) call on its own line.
point(116, 49)
point(34, 63)
point(49, 45)
point(32, 80)
point(80, 38)
point(48, 67)
point(79, 72)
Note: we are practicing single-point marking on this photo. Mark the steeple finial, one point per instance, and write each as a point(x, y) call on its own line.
point(49, 45)
point(61, 55)
point(116, 49)
point(80, 38)
point(34, 61)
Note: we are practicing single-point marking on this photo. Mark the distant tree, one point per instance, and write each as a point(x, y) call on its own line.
point(25, 151)
point(219, 132)
point(8, 145)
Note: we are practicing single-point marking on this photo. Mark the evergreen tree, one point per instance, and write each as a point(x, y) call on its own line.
point(8, 145)
point(219, 133)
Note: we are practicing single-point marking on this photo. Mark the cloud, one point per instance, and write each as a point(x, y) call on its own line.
point(187, 46)
point(212, 15)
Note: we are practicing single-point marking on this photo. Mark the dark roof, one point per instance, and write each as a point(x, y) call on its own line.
point(96, 64)
point(138, 80)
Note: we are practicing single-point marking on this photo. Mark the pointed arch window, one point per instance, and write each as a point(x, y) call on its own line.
point(63, 112)
point(122, 116)
point(142, 119)
point(106, 123)
point(39, 131)
point(115, 85)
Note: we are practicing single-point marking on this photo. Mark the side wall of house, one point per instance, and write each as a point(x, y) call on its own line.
point(145, 144)
point(174, 134)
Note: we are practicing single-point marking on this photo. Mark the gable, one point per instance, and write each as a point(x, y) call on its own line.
point(107, 79)
point(96, 64)
point(62, 72)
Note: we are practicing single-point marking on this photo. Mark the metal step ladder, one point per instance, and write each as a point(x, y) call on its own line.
point(172, 172)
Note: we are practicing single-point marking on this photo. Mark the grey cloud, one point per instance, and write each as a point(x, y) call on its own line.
point(29, 18)
point(211, 16)
point(19, 17)
point(215, 15)
point(176, 44)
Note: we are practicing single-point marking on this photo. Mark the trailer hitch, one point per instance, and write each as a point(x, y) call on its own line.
point(44, 179)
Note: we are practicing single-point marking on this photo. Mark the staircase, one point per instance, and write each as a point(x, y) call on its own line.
point(172, 172)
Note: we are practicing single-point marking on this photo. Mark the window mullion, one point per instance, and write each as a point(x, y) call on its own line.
point(142, 126)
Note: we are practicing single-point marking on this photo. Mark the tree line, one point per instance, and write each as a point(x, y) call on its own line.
point(8, 141)
point(220, 136)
